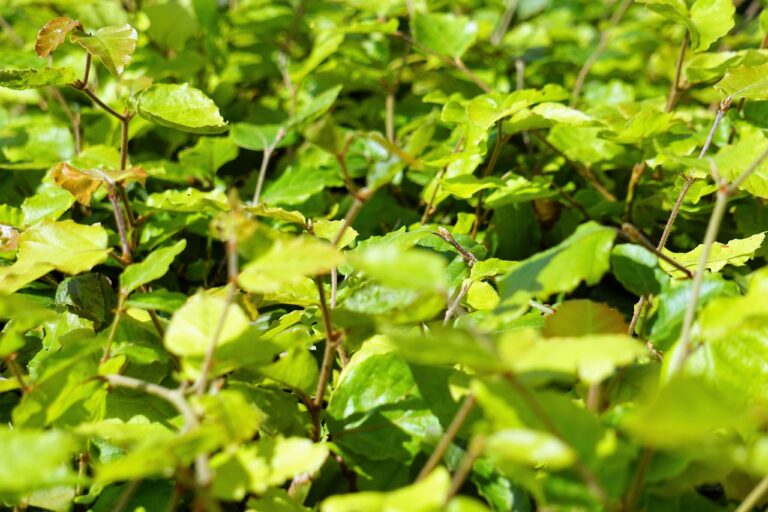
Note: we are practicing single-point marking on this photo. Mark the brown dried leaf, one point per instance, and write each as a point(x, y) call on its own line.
point(53, 34)
point(81, 184)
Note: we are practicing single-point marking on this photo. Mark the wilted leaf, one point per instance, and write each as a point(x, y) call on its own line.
point(53, 34)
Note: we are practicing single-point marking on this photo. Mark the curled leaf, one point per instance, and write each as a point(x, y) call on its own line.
point(82, 183)
point(53, 34)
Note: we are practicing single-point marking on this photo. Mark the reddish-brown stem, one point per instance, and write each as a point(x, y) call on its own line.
point(112, 194)
point(10, 360)
point(87, 72)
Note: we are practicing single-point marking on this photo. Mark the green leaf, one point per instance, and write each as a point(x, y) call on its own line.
point(749, 82)
point(582, 317)
point(112, 45)
point(445, 33)
point(42, 460)
point(592, 357)
point(637, 269)
point(710, 20)
point(182, 107)
point(21, 79)
point(583, 256)
point(297, 184)
point(666, 322)
point(326, 43)
point(192, 327)
point(415, 269)
point(154, 266)
point(89, 296)
point(735, 252)
point(53, 34)
point(258, 137)
point(67, 246)
point(428, 495)
point(529, 448)
point(270, 462)
point(684, 412)
point(208, 155)
point(289, 261)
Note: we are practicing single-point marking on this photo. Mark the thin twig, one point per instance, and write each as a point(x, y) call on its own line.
point(232, 272)
point(675, 87)
point(456, 63)
point(688, 181)
point(450, 434)
point(465, 466)
point(112, 194)
point(583, 171)
point(331, 340)
point(266, 156)
point(636, 487)
point(430, 209)
point(504, 21)
point(446, 235)
point(584, 472)
point(682, 350)
point(173, 396)
point(113, 328)
point(127, 494)
point(599, 49)
point(349, 218)
point(456, 301)
point(99, 102)
point(10, 361)
point(754, 497)
point(487, 172)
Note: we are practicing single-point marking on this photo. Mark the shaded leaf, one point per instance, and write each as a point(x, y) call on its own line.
point(20, 79)
point(583, 317)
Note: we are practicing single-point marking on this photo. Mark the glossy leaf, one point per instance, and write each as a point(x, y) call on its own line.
point(53, 34)
point(584, 256)
point(181, 107)
point(114, 46)
point(153, 267)
point(445, 33)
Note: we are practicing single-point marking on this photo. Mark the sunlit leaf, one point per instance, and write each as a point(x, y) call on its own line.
point(182, 107)
point(153, 267)
point(53, 34)
point(114, 46)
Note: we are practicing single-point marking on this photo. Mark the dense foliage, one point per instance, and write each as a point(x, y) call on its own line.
point(400, 255)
